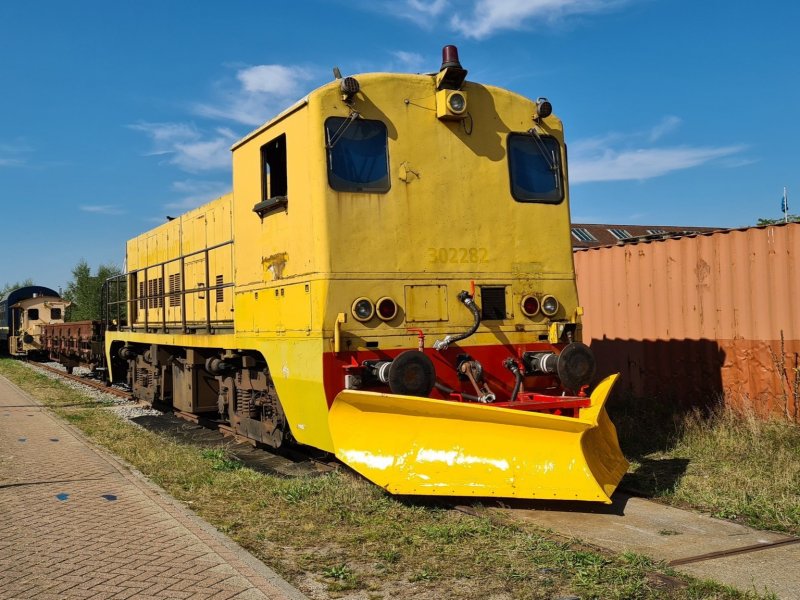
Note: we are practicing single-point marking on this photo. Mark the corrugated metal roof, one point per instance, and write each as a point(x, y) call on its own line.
point(592, 235)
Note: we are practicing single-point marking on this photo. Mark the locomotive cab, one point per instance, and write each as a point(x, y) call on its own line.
point(23, 313)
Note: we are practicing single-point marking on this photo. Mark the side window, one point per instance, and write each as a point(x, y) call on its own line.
point(358, 155)
point(55, 313)
point(274, 178)
point(33, 314)
point(534, 164)
point(273, 163)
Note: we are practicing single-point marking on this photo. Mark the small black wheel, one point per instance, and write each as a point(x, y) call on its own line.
point(576, 366)
point(412, 374)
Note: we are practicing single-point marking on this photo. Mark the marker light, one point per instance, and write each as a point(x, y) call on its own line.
point(386, 309)
point(543, 108)
point(529, 306)
point(549, 305)
point(363, 309)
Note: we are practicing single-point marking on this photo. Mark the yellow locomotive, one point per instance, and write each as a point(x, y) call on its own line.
point(391, 280)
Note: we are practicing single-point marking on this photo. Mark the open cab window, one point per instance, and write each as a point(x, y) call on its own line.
point(534, 164)
point(274, 177)
point(358, 155)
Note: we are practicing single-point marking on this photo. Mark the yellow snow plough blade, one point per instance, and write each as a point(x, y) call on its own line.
point(412, 445)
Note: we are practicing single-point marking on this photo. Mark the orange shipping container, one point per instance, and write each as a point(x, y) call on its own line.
point(699, 318)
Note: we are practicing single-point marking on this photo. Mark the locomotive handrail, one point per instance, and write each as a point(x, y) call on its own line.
point(158, 300)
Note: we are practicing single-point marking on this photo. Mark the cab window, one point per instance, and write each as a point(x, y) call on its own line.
point(273, 169)
point(358, 155)
point(534, 164)
point(33, 314)
point(55, 313)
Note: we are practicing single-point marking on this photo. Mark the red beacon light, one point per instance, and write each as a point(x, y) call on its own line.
point(451, 74)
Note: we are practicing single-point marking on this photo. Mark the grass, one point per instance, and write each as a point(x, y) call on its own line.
point(730, 465)
point(341, 537)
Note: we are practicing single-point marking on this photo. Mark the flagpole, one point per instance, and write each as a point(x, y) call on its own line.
point(785, 207)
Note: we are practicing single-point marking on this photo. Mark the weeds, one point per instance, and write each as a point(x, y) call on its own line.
point(312, 530)
point(790, 383)
point(221, 460)
point(731, 465)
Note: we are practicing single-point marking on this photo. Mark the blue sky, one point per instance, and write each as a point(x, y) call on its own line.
point(116, 114)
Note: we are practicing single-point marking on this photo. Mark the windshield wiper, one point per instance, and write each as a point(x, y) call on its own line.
point(543, 150)
point(337, 135)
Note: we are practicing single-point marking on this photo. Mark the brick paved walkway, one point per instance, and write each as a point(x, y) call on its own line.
point(75, 523)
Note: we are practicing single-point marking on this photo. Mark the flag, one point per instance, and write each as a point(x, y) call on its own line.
point(784, 204)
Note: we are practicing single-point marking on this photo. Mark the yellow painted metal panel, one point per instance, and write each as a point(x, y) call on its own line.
point(415, 445)
point(296, 369)
point(156, 255)
point(426, 303)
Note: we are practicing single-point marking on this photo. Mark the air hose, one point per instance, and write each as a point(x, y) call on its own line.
point(512, 366)
point(450, 391)
point(467, 300)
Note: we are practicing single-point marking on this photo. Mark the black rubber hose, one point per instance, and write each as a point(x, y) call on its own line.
point(467, 300)
point(448, 390)
point(512, 366)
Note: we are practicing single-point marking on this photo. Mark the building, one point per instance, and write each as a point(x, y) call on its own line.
point(593, 235)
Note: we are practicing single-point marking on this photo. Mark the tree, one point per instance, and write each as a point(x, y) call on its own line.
point(10, 287)
point(792, 219)
point(85, 291)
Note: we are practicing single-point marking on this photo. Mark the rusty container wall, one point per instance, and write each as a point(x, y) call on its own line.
point(699, 318)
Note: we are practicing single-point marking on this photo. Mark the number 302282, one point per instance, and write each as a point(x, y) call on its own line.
point(458, 255)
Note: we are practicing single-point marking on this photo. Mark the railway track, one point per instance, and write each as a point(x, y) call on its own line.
point(208, 433)
point(94, 383)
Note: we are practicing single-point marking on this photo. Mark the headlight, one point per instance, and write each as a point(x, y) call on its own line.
point(530, 306)
point(457, 102)
point(386, 308)
point(549, 305)
point(363, 309)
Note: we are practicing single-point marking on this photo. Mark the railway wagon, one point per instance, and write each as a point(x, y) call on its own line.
point(77, 343)
point(23, 313)
point(390, 280)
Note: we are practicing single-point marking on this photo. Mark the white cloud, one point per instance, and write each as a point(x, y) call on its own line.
point(14, 155)
point(272, 79)
point(256, 94)
point(260, 92)
point(608, 164)
point(422, 13)
point(409, 61)
point(632, 156)
point(667, 125)
point(479, 19)
point(189, 148)
point(432, 8)
point(102, 209)
point(192, 193)
point(486, 17)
